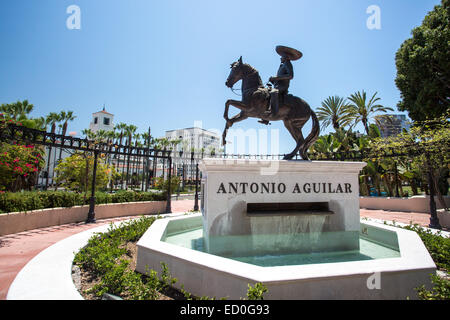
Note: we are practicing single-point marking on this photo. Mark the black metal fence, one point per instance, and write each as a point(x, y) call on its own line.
point(139, 168)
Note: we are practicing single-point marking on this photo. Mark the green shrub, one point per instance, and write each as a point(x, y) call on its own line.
point(439, 248)
point(440, 291)
point(437, 245)
point(20, 201)
point(34, 200)
point(256, 292)
point(102, 257)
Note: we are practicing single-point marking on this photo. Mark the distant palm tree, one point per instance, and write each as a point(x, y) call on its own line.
point(362, 110)
point(88, 133)
point(66, 117)
point(334, 111)
point(120, 127)
point(17, 110)
point(129, 131)
point(52, 118)
point(40, 123)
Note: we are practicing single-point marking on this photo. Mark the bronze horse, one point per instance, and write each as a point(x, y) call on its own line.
point(294, 111)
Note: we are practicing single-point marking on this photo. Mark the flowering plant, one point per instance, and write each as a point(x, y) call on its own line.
point(19, 166)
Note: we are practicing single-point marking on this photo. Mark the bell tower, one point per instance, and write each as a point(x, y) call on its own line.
point(102, 120)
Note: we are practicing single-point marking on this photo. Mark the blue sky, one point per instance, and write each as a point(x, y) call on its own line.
point(163, 64)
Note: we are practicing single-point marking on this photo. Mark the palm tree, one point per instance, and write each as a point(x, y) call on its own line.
point(40, 123)
point(17, 110)
point(88, 134)
point(137, 160)
point(66, 117)
point(129, 131)
point(52, 118)
point(362, 111)
point(120, 127)
point(22, 109)
point(334, 111)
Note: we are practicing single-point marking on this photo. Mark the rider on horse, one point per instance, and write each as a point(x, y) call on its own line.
point(281, 82)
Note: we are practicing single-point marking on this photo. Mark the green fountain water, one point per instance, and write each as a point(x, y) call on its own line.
point(270, 250)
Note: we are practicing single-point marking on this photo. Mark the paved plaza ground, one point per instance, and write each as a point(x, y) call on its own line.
point(16, 250)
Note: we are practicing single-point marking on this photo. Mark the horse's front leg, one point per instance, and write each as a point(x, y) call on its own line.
point(237, 118)
point(238, 104)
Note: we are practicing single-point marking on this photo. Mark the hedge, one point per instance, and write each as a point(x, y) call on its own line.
point(34, 200)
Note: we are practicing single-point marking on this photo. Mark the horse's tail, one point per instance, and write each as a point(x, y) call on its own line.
point(313, 136)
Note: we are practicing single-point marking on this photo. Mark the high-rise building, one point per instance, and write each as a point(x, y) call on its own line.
point(392, 124)
point(196, 139)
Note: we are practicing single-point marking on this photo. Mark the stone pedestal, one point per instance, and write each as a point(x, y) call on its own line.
point(312, 206)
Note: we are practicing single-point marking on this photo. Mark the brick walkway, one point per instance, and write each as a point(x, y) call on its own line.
point(422, 219)
point(16, 250)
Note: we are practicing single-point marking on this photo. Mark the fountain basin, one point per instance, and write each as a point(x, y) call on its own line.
point(403, 265)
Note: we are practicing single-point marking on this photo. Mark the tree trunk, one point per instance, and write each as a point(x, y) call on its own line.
point(413, 184)
point(438, 191)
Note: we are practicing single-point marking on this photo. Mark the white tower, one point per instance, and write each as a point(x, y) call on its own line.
point(102, 120)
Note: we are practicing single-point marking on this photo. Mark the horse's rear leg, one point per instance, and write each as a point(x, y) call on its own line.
point(294, 128)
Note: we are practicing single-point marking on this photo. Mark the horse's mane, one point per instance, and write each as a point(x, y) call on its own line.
point(249, 70)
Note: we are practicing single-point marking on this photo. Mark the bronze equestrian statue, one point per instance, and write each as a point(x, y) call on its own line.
point(270, 104)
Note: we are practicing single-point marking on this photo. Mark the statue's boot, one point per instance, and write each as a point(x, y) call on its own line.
point(264, 122)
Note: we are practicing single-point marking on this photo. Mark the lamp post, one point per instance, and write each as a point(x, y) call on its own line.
point(91, 213)
point(196, 188)
point(169, 192)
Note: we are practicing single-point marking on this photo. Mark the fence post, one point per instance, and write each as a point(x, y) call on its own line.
point(196, 188)
point(169, 192)
point(91, 213)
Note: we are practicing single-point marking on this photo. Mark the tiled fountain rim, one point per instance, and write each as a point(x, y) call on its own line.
point(414, 256)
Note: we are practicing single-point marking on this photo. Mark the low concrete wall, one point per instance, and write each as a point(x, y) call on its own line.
point(444, 218)
point(413, 204)
point(22, 221)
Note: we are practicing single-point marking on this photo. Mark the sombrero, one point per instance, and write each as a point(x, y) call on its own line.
point(289, 53)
